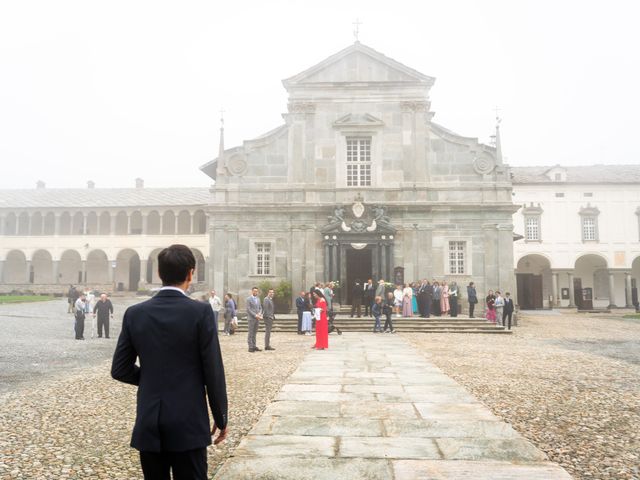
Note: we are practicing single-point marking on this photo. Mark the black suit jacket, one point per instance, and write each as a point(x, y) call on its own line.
point(177, 343)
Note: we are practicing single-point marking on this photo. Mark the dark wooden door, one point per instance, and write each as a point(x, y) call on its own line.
point(577, 293)
point(529, 291)
point(358, 268)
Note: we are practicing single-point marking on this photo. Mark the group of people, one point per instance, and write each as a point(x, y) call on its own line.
point(228, 307)
point(83, 303)
point(499, 308)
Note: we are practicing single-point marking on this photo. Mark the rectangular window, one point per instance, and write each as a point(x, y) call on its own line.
point(559, 195)
point(532, 228)
point(589, 231)
point(358, 162)
point(457, 257)
point(263, 258)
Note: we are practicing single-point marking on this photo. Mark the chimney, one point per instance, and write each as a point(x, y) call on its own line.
point(91, 184)
point(139, 183)
point(40, 185)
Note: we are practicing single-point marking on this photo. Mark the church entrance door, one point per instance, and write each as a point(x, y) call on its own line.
point(359, 267)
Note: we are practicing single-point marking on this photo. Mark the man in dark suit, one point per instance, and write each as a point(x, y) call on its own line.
point(177, 344)
point(268, 314)
point(507, 311)
point(300, 306)
point(369, 291)
point(356, 298)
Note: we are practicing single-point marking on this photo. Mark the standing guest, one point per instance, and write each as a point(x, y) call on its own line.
point(414, 298)
point(71, 298)
point(268, 315)
point(216, 305)
point(490, 301)
point(453, 299)
point(356, 298)
point(473, 298)
point(508, 309)
point(387, 309)
point(229, 313)
point(328, 295)
point(300, 307)
point(80, 309)
point(376, 309)
point(369, 294)
point(307, 324)
point(444, 299)
point(180, 368)
point(407, 301)
point(421, 297)
point(437, 293)
point(380, 289)
point(254, 315)
point(499, 306)
point(322, 324)
point(104, 310)
point(397, 296)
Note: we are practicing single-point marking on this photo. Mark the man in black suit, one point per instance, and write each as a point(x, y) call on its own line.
point(177, 343)
point(507, 311)
point(300, 306)
point(356, 298)
point(369, 291)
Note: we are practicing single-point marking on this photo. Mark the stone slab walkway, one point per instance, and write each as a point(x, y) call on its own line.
point(374, 407)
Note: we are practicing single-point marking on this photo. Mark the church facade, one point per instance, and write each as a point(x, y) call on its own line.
point(358, 183)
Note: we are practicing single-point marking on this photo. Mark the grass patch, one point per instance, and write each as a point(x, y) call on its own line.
point(633, 315)
point(23, 298)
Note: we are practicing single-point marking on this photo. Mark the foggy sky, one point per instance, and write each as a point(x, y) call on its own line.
point(111, 91)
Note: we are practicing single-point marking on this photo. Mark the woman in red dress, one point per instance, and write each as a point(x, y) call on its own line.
point(322, 324)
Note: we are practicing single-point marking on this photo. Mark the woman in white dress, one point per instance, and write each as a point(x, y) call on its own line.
point(397, 300)
point(307, 324)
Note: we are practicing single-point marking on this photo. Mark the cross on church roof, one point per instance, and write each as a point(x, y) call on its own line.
point(356, 30)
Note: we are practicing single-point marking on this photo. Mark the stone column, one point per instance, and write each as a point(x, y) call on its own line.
point(2, 222)
point(56, 227)
point(162, 224)
point(1, 271)
point(193, 230)
point(491, 276)
point(572, 295)
point(612, 303)
point(145, 224)
point(217, 256)
point(335, 275)
point(128, 223)
point(556, 295)
point(327, 261)
point(56, 271)
point(28, 280)
point(112, 222)
point(296, 254)
point(84, 271)
point(143, 274)
point(383, 261)
point(84, 224)
point(627, 290)
point(112, 271)
point(175, 227)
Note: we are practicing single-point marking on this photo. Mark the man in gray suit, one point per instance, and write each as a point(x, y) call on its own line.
point(380, 289)
point(269, 316)
point(254, 315)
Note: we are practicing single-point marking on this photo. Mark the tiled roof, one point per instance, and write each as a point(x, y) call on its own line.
point(103, 197)
point(579, 174)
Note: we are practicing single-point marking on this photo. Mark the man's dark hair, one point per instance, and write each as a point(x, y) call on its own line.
point(175, 263)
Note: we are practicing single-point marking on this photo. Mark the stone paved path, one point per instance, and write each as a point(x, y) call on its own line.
point(373, 407)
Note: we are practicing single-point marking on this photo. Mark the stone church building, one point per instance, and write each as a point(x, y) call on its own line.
point(360, 182)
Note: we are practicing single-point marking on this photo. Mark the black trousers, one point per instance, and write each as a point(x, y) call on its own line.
point(79, 327)
point(435, 307)
point(472, 307)
point(103, 322)
point(355, 306)
point(190, 465)
point(299, 321)
point(453, 303)
point(506, 315)
point(387, 323)
point(368, 304)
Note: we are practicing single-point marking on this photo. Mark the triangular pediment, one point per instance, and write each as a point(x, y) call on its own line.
point(358, 63)
point(358, 120)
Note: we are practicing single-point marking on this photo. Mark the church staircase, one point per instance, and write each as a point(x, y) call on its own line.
point(460, 324)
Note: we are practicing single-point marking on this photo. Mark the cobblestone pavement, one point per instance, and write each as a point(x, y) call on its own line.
point(37, 341)
point(68, 419)
point(569, 383)
point(372, 407)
